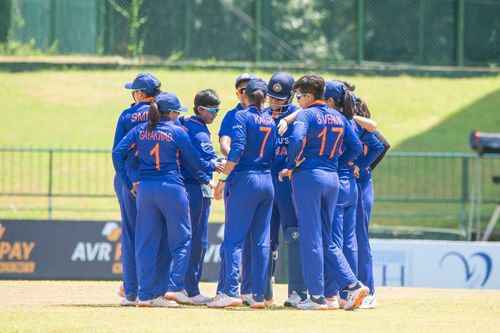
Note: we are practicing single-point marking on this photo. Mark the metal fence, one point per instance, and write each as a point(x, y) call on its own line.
point(422, 32)
point(411, 189)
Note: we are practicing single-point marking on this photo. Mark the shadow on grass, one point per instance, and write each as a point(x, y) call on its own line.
point(452, 133)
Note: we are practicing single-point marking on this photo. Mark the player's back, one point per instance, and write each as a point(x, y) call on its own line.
point(321, 144)
point(254, 140)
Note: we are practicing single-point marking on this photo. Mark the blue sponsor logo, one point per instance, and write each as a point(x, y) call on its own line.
point(473, 275)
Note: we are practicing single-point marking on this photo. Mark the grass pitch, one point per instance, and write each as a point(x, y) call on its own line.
point(91, 306)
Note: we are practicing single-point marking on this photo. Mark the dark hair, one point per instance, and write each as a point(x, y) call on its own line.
point(205, 98)
point(313, 84)
point(362, 109)
point(155, 92)
point(155, 115)
point(349, 85)
point(258, 97)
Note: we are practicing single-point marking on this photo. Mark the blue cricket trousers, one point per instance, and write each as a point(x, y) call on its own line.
point(364, 211)
point(344, 221)
point(199, 208)
point(248, 212)
point(161, 205)
point(128, 213)
point(315, 195)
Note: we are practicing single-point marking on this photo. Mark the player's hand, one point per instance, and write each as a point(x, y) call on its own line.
point(212, 184)
point(299, 162)
point(220, 165)
point(134, 189)
point(285, 173)
point(356, 171)
point(219, 190)
point(282, 126)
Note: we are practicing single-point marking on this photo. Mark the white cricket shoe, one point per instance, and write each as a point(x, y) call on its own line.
point(126, 302)
point(222, 301)
point(180, 297)
point(355, 296)
point(332, 303)
point(257, 305)
point(200, 299)
point(293, 299)
point(159, 302)
point(369, 302)
point(308, 304)
point(246, 299)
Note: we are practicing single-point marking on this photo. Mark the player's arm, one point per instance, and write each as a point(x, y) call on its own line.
point(353, 147)
point(225, 134)
point(375, 148)
point(284, 122)
point(191, 158)
point(239, 141)
point(386, 145)
point(296, 140)
point(367, 124)
point(120, 131)
point(119, 156)
point(225, 145)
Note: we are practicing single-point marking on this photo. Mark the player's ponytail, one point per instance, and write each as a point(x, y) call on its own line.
point(348, 106)
point(154, 116)
point(362, 109)
point(258, 97)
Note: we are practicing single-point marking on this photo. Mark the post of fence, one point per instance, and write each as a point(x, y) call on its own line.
point(465, 190)
point(460, 32)
point(54, 13)
point(258, 21)
point(187, 27)
point(360, 31)
point(101, 25)
point(51, 174)
point(421, 32)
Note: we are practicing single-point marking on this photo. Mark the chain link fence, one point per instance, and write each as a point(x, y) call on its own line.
point(421, 32)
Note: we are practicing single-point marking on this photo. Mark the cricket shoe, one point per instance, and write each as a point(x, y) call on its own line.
point(355, 296)
point(180, 297)
point(121, 291)
point(310, 304)
point(125, 302)
point(257, 305)
point(369, 302)
point(270, 303)
point(332, 303)
point(223, 301)
point(293, 299)
point(246, 299)
point(158, 302)
point(200, 299)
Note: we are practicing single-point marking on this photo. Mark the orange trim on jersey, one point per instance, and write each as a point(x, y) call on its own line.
point(317, 102)
point(365, 150)
point(196, 121)
point(148, 99)
point(301, 149)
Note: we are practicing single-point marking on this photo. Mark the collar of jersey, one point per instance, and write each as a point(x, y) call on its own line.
point(197, 120)
point(239, 107)
point(316, 103)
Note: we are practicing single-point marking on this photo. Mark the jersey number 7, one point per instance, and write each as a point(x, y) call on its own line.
point(338, 131)
point(268, 131)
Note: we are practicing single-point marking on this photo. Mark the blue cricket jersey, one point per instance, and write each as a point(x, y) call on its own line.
point(254, 140)
point(318, 133)
point(158, 154)
point(282, 141)
point(130, 118)
point(226, 126)
point(199, 134)
point(372, 148)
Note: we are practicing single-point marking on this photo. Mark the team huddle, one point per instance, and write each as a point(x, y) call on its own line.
point(305, 170)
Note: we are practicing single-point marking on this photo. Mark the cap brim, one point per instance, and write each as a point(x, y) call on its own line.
point(128, 85)
point(181, 109)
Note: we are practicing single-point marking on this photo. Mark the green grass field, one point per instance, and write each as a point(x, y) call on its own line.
point(84, 306)
point(79, 109)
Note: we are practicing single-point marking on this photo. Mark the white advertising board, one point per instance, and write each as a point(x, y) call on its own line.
point(436, 264)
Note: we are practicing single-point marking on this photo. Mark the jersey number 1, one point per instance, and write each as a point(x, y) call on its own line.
point(156, 152)
point(322, 135)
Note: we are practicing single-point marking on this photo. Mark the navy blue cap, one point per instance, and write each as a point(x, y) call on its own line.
point(334, 89)
point(243, 77)
point(144, 82)
point(280, 85)
point(256, 84)
point(167, 101)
